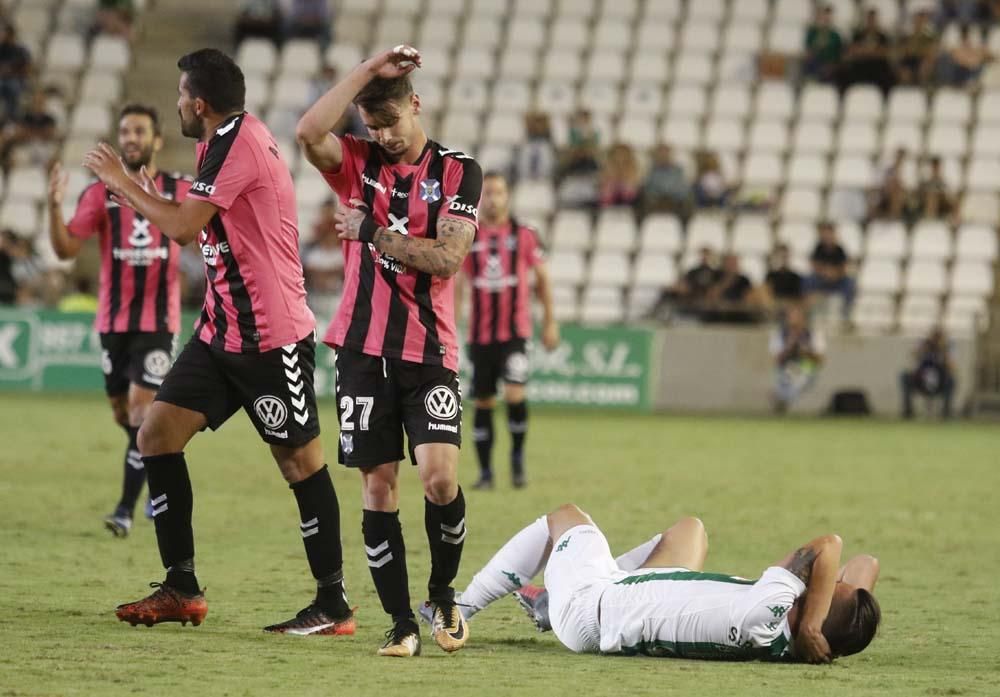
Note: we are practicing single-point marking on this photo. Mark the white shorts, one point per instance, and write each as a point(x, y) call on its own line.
point(579, 569)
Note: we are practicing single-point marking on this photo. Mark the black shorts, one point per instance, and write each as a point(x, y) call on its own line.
point(377, 398)
point(142, 358)
point(507, 360)
point(274, 388)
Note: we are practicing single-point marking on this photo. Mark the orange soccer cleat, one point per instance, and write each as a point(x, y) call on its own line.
point(166, 604)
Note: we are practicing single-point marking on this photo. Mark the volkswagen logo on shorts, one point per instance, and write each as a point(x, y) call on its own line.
point(271, 411)
point(441, 403)
point(157, 363)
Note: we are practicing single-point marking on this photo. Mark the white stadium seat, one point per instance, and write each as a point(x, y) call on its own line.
point(534, 199)
point(812, 137)
point(566, 267)
point(879, 276)
point(571, 229)
point(725, 135)
point(90, 119)
point(654, 270)
point(600, 98)
point(65, 53)
point(692, 69)
point(706, 230)
point(562, 64)
point(980, 207)
point(660, 233)
point(768, 135)
point(858, 138)
point(699, 37)
point(731, 100)
point(976, 243)
point(819, 103)
point(569, 33)
point(611, 34)
point(609, 268)
point(862, 103)
point(751, 235)
point(808, 170)
point(774, 100)
point(931, 241)
point(300, 57)
point(257, 56)
point(886, 240)
point(643, 99)
point(925, 277)
point(951, 106)
point(972, 278)
point(615, 230)
point(852, 172)
point(907, 105)
point(762, 169)
point(686, 101)
point(801, 204)
point(110, 53)
point(637, 131)
point(525, 33)
point(947, 139)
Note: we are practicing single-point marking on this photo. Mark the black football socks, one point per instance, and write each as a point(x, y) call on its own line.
point(517, 422)
point(320, 527)
point(482, 434)
point(386, 553)
point(446, 534)
point(172, 499)
point(134, 475)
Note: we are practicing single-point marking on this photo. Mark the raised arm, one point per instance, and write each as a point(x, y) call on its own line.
point(66, 246)
point(543, 291)
point(181, 222)
point(313, 133)
point(816, 565)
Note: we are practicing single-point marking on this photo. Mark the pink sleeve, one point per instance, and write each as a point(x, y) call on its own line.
point(90, 212)
point(345, 179)
point(532, 248)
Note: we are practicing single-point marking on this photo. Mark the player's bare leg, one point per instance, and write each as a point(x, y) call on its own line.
point(386, 555)
point(683, 545)
point(444, 521)
point(164, 433)
point(482, 434)
point(517, 422)
point(319, 511)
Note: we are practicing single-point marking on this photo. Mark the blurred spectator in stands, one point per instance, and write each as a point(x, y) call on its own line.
point(732, 297)
point(81, 298)
point(666, 188)
point(259, 19)
point(15, 65)
point(308, 19)
point(890, 199)
point(115, 18)
point(782, 285)
point(711, 190)
point(934, 200)
point(536, 158)
point(32, 139)
point(578, 186)
point(691, 290)
point(967, 12)
point(823, 46)
point(323, 262)
point(932, 374)
point(917, 51)
point(620, 180)
point(10, 253)
point(829, 269)
point(798, 353)
point(320, 84)
point(866, 60)
point(33, 285)
point(963, 63)
point(192, 272)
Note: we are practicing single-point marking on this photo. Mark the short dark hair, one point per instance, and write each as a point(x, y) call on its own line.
point(850, 628)
point(142, 110)
point(378, 96)
point(215, 77)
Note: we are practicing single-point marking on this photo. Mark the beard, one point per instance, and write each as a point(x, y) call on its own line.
point(191, 129)
point(138, 160)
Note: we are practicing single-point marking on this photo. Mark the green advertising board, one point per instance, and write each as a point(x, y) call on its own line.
point(592, 367)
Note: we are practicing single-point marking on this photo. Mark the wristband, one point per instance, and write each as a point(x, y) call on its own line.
point(367, 231)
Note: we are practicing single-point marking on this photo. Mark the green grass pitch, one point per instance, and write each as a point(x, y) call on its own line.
point(921, 497)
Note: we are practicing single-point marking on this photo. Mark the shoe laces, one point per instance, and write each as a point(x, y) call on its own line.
point(397, 632)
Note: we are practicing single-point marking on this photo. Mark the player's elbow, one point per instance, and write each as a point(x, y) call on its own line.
point(831, 542)
point(308, 133)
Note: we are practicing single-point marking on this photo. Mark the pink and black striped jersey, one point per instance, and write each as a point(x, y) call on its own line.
point(387, 308)
point(256, 297)
point(139, 288)
point(498, 268)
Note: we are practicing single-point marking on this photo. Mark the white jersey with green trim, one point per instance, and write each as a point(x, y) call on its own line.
point(691, 614)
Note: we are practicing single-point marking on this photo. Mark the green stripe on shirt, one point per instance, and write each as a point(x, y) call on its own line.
point(684, 576)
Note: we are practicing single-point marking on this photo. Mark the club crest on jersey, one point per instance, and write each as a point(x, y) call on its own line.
point(430, 190)
point(140, 236)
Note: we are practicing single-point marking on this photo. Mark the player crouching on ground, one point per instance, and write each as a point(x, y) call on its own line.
point(655, 599)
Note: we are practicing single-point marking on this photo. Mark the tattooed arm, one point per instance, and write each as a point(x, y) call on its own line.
point(439, 257)
point(815, 565)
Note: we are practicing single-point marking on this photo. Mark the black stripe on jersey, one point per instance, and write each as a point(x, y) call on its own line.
point(433, 352)
point(476, 310)
point(494, 258)
point(220, 322)
point(361, 316)
point(170, 189)
point(514, 245)
point(245, 320)
point(115, 295)
point(395, 328)
point(138, 290)
point(215, 156)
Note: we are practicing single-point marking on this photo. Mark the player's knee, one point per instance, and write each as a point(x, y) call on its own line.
point(151, 439)
point(688, 525)
point(440, 486)
point(378, 491)
point(567, 511)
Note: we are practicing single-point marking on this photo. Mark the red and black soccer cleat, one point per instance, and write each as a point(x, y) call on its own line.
point(166, 604)
point(314, 621)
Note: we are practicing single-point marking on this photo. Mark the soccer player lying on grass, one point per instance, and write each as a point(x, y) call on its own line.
point(656, 600)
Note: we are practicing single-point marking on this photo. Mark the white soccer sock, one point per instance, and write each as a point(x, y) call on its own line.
point(514, 565)
point(633, 559)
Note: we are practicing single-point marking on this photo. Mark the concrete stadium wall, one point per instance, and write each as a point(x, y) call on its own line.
point(730, 369)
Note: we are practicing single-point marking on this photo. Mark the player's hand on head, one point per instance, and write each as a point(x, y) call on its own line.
point(349, 218)
point(58, 180)
point(811, 645)
point(396, 62)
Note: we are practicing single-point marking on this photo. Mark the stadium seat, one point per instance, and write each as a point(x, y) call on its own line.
point(504, 129)
point(483, 33)
point(749, 11)
point(600, 98)
point(862, 103)
point(654, 270)
point(707, 10)
point(770, 136)
point(736, 67)
point(681, 132)
point(660, 233)
point(291, 92)
point(569, 34)
point(602, 305)
point(495, 157)
point(751, 235)
point(986, 140)
point(931, 241)
point(662, 10)
point(648, 69)
point(698, 37)
point(439, 33)
point(20, 216)
point(742, 36)
point(949, 105)
point(802, 204)
point(851, 237)
point(885, 240)
point(637, 131)
point(654, 38)
point(489, 8)
point(947, 139)
point(693, 69)
point(344, 57)
point(511, 97)
point(732, 101)
point(852, 172)
point(391, 30)
point(925, 277)
point(725, 134)
point(571, 230)
point(450, 8)
point(625, 10)
point(353, 28)
point(615, 230)
point(686, 100)
point(799, 236)
point(110, 53)
point(858, 138)
point(762, 170)
point(101, 88)
point(807, 170)
point(615, 35)
point(643, 99)
point(983, 173)
point(812, 138)
point(774, 101)
point(300, 57)
point(793, 11)
point(579, 9)
point(784, 37)
point(879, 276)
point(468, 95)
point(818, 103)
point(988, 108)
point(979, 207)
point(901, 135)
point(518, 64)
point(65, 53)
point(257, 57)
point(706, 230)
point(609, 268)
point(566, 267)
point(907, 105)
point(640, 301)
point(846, 204)
point(972, 278)
point(976, 243)
point(90, 119)
point(535, 199)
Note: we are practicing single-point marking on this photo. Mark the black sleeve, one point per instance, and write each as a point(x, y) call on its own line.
point(464, 202)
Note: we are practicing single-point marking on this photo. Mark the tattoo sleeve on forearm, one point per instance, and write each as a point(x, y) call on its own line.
point(802, 562)
point(439, 257)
